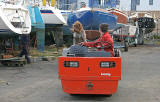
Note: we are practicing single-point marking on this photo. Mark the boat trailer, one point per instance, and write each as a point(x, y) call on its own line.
point(125, 36)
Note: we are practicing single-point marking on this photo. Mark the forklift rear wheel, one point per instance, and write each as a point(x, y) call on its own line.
point(73, 94)
point(110, 95)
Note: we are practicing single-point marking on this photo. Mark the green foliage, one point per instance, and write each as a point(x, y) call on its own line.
point(156, 36)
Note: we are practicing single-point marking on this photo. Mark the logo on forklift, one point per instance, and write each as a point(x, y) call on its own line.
point(106, 74)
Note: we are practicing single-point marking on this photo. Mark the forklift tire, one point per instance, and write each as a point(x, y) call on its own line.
point(126, 46)
point(135, 45)
point(73, 94)
point(110, 95)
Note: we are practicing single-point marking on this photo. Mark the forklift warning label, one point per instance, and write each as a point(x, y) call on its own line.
point(108, 74)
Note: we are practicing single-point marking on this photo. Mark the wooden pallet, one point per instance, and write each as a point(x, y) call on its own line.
point(14, 62)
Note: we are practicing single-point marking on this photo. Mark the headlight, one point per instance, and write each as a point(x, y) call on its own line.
point(107, 64)
point(73, 64)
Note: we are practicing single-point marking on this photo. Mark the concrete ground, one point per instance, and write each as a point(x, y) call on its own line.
point(38, 82)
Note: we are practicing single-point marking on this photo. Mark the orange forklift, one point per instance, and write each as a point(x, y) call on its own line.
point(85, 70)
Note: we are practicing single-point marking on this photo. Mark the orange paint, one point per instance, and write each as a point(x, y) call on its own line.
point(89, 77)
point(121, 16)
point(121, 19)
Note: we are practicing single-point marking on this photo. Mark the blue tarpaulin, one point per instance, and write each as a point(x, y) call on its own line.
point(92, 19)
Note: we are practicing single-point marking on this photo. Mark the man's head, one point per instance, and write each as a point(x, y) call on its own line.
point(103, 28)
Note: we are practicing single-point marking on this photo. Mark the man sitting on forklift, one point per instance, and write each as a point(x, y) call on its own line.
point(104, 42)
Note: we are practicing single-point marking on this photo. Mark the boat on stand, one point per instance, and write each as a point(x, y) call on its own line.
point(92, 14)
point(122, 17)
point(145, 23)
point(14, 19)
point(50, 14)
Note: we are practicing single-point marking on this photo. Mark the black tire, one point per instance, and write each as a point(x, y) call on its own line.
point(135, 45)
point(73, 95)
point(110, 95)
point(126, 46)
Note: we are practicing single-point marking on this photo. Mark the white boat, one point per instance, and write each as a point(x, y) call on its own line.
point(14, 19)
point(50, 14)
point(65, 14)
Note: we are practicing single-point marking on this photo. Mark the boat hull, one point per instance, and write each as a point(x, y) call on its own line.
point(14, 19)
point(52, 17)
point(91, 19)
point(4, 29)
point(65, 14)
point(121, 17)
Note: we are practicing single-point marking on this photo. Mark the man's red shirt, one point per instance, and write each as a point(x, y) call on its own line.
point(102, 42)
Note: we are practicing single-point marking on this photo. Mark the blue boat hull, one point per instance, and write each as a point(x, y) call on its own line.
point(91, 19)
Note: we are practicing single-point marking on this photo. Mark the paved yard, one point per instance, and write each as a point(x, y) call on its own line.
point(39, 82)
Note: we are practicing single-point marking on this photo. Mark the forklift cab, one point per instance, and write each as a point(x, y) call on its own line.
point(86, 71)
